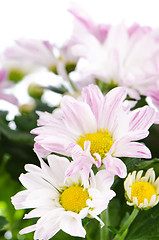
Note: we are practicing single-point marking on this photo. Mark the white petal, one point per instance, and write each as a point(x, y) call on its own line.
point(104, 180)
point(48, 225)
point(135, 201)
point(153, 199)
point(132, 149)
point(142, 118)
point(19, 199)
point(150, 175)
point(93, 96)
point(28, 229)
point(72, 226)
point(145, 203)
point(78, 116)
point(138, 176)
point(58, 167)
point(115, 166)
point(32, 181)
point(111, 106)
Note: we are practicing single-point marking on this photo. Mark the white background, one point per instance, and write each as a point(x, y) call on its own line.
point(50, 20)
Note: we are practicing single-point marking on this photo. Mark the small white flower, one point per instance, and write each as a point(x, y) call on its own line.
point(142, 191)
point(59, 202)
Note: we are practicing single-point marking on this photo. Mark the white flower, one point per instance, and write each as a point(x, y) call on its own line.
point(59, 202)
point(142, 191)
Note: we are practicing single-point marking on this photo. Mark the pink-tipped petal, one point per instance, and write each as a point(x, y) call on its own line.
point(80, 117)
point(93, 97)
point(142, 118)
point(115, 166)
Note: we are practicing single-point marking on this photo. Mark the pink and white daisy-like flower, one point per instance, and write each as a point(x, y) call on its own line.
point(33, 51)
point(59, 202)
point(120, 57)
point(29, 54)
point(4, 86)
point(96, 130)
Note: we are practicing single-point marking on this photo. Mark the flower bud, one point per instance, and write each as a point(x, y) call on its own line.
point(16, 75)
point(26, 108)
point(35, 91)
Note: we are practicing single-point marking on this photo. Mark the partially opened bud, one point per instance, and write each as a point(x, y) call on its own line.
point(142, 191)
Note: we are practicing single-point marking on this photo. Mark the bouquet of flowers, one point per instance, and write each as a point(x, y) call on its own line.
point(92, 161)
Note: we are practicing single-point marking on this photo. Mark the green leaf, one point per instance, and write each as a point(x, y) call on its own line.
point(141, 164)
point(114, 212)
point(140, 103)
point(70, 67)
point(145, 226)
point(125, 218)
point(152, 140)
point(105, 87)
point(15, 135)
point(3, 115)
point(41, 106)
point(3, 222)
point(60, 90)
point(113, 229)
point(19, 154)
point(26, 122)
point(62, 235)
point(92, 229)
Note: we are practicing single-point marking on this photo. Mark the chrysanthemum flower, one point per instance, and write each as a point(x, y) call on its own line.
point(120, 57)
point(84, 24)
point(95, 130)
point(59, 202)
point(32, 51)
point(29, 54)
point(142, 191)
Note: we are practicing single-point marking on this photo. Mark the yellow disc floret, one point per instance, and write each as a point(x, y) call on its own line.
point(142, 190)
point(101, 142)
point(74, 198)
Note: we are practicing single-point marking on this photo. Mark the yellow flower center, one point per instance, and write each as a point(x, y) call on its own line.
point(101, 142)
point(74, 198)
point(142, 190)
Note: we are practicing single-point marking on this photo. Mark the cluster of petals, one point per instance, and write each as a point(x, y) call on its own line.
point(4, 86)
point(136, 177)
point(84, 24)
point(120, 56)
point(59, 131)
point(31, 50)
point(30, 54)
point(43, 189)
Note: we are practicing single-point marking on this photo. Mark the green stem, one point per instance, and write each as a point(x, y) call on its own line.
point(123, 231)
point(104, 231)
point(72, 85)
